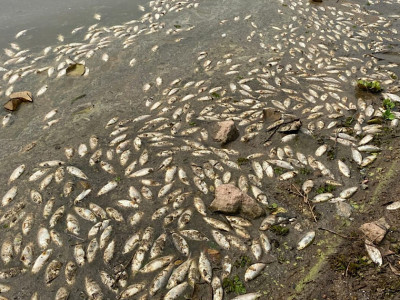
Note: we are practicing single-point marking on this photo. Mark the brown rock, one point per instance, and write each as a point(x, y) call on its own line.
point(226, 132)
point(227, 199)
point(250, 208)
point(343, 209)
point(25, 96)
point(375, 231)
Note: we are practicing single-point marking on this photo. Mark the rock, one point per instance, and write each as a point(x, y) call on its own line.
point(375, 231)
point(229, 199)
point(226, 132)
point(343, 209)
point(250, 208)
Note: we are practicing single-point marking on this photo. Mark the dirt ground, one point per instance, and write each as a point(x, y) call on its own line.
point(348, 273)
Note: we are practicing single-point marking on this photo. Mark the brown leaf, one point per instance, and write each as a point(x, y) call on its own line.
point(375, 231)
point(394, 270)
point(214, 255)
point(76, 70)
point(13, 104)
point(25, 96)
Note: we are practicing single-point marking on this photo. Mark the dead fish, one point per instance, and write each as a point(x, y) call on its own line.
point(52, 271)
point(41, 260)
point(70, 272)
point(248, 296)
point(343, 168)
point(306, 240)
point(81, 196)
point(76, 172)
point(253, 271)
point(9, 196)
point(93, 289)
point(176, 291)
point(16, 173)
point(27, 255)
point(217, 223)
point(373, 253)
point(6, 251)
point(220, 239)
point(160, 279)
point(393, 206)
point(205, 267)
point(108, 187)
point(347, 193)
point(322, 197)
point(42, 90)
point(156, 264)
point(79, 255)
point(38, 174)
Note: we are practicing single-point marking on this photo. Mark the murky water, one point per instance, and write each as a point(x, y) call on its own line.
point(168, 77)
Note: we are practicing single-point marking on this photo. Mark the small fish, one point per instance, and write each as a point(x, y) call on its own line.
point(253, 271)
point(42, 90)
point(373, 253)
point(9, 196)
point(108, 187)
point(306, 240)
point(205, 267)
point(41, 260)
point(76, 172)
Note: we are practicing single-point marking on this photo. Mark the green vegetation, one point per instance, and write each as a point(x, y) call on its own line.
point(233, 285)
point(327, 188)
point(272, 208)
point(177, 26)
point(192, 124)
point(388, 105)
point(353, 266)
point(331, 153)
point(215, 95)
point(280, 230)
point(242, 161)
point(117, 179)
point(278, 171)
point(370, 86)
point(242, 261)
point(305, 171)
point(348, 122)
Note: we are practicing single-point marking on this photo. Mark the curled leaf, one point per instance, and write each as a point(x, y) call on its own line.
point(24, 96)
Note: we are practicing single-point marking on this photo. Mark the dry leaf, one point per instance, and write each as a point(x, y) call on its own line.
point(25, 96)
point(394, 270)
point(75, 70)
point(214, 255)
point(13, 104)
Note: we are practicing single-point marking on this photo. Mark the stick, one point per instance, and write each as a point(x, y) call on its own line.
point(341, 235)
point(305, 199)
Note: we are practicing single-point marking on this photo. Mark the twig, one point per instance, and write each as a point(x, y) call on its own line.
point(341, 235)
point(347, 269)
point(74, 236)
point(272, 134)
point(306, 200)
point(119, 273)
